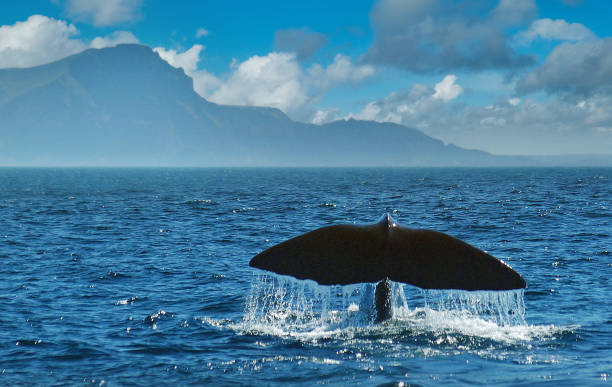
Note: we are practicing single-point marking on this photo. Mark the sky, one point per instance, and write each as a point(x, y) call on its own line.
point(520, 77)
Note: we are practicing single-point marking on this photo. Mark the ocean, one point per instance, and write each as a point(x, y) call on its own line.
point(140, 276)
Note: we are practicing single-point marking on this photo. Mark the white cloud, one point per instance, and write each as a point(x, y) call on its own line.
point(402, 107)
point(555, 29)
point(447, 89)
point(113, 39)
point(187, 60)
point(41, 39)
point(104, 13)
point(596, 111)
point(36, 41)
point(204, 83)
point(325, 116)
point(514, 101)
point(201, 32)
point(371, 112)
point(274, 80)
point(341, 70)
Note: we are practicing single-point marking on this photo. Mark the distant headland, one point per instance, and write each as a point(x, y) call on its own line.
point(125, 106)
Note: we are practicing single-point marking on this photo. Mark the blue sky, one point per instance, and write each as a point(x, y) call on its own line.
point(506, 76)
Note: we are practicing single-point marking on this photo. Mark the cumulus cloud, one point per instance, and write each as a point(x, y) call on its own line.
point(578, 68)
point(303, 41)
point(36, 41)
point(41, 39)
point(204, 83)
point(432, 36)
point(403, 107)
point(555, 30)
point(447, 89)
point(113, 39)
point(273, 80)
point(187, 60)
point(341, 70)
point(104, 13)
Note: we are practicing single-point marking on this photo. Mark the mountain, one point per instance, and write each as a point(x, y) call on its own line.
point(125, 106)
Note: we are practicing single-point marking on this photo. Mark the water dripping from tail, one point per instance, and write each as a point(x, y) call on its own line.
point(504, 308)
point(284, 306)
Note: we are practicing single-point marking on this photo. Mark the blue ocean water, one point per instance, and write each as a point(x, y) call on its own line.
point(141, 276)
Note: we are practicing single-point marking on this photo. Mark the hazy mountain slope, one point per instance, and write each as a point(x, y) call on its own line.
point(126, 106)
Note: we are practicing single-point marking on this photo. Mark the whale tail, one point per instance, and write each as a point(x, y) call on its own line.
point(349, 254)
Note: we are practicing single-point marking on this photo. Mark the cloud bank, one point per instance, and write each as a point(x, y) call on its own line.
point(509, 126)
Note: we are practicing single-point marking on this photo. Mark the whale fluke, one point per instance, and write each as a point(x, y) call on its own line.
point(349, 254)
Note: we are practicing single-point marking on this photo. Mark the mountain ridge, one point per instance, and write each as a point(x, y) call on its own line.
point(125, 106)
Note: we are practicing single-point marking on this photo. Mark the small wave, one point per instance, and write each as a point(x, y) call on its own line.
point(28, 343)
point(243, 209)
point(156, 317)
point(601, 214)
point(57, 211)
point(201, 204)
point(111, 274)
point(327, 205)
point(198, 201)
point(126, 301)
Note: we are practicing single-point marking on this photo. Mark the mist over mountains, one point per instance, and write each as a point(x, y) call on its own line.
point(125, 106)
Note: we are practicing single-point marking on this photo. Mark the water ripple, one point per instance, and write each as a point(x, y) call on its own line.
point(141, 276)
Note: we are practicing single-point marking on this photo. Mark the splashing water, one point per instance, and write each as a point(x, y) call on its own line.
point(281, 305)
point(284, 306)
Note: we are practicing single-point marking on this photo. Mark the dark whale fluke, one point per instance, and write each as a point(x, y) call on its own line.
point(349, 254)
